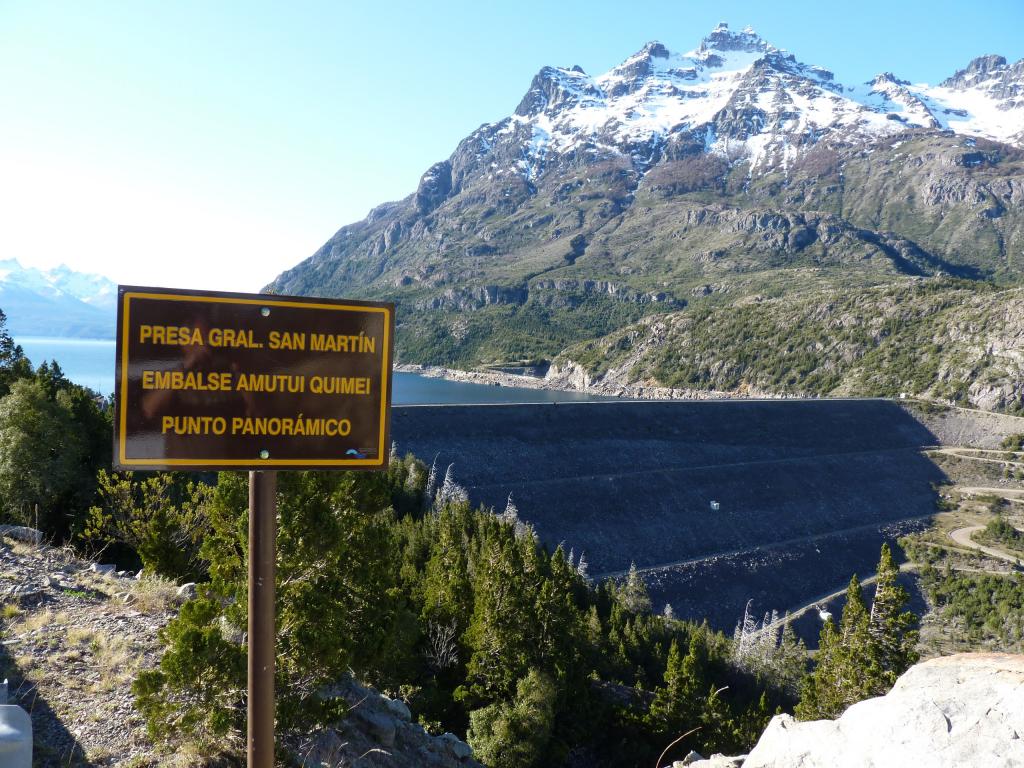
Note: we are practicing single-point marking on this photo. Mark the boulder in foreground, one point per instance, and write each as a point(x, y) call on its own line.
point(949, 712)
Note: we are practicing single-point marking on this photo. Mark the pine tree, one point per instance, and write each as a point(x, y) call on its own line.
point(789, 663)
point(634, 592)
point(501, 626)
point(583, 566)
point(753, 722)
point(847, 663)
point(718, 730)
point(676, 705)
point(451, 492)
point(821, 695)
point(431, 486)
point(336, 609)
point(446, 579)
point(511, 514)
point(516, 734)
point(890, 626)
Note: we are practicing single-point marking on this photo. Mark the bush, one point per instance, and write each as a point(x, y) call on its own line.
point(1013, 443)
point(48, 455)
point(161, 516)
point(515, 734)
point(337, 609)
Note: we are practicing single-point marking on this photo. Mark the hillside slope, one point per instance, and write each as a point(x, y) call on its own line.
point(681, 181)
point(941, 339)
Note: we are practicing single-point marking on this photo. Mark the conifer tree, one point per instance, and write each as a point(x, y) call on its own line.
point(446, 580)
point(582, 567)
point(673, 706)
point(634, 592)
point(847, 668)
point(336, 609)
point(13, 363)
point(431, 486)
point(516, 734)
point(890, 626)
point(753, 722)
point(718, 730)
point(511, 514)
point(501, 624)
point(821, 695)
point(678, 703)
point(789, 662)
point(451, 492)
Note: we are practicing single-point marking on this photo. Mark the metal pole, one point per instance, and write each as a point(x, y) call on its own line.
point(262, 536)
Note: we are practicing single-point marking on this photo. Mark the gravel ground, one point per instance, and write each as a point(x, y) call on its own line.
point(72, 642)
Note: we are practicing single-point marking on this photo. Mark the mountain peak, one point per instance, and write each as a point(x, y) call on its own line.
point(654, 48)
point(977, 70)
point(887, 77)
point(722, 38)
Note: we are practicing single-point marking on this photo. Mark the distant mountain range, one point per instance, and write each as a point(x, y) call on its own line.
point(56, 302)
point(684, 184)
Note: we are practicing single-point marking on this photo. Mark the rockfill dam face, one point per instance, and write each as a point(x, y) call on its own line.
point(717, 502)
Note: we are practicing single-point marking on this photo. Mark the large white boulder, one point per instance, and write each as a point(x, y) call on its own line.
point(956, 711)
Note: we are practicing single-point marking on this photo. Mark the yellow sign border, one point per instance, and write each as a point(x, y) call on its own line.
point(256, 462)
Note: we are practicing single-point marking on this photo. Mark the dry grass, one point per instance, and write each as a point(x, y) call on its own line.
point(153, 594)
point(114, 659)
point(35, 621)
point(24, 548)
point(187, 755)
point(80, 636)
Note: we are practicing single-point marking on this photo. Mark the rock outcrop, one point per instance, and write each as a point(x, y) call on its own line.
point(957, 711)
point(379, 732)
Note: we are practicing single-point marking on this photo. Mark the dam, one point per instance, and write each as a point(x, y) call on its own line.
point(717, 502)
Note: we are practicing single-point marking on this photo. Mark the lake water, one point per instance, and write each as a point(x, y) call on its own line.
point(90, 362)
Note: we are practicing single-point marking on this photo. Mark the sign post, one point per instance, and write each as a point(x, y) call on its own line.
point(219, 381)
point(262, 535)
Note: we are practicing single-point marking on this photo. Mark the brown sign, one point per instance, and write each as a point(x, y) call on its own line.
point(245, 381)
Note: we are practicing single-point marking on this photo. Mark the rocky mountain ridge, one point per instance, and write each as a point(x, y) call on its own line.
point(678, 180)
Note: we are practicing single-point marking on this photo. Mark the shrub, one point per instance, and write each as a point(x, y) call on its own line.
point(161, 516)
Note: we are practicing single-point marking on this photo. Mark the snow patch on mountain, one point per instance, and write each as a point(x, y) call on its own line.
point(747, 99)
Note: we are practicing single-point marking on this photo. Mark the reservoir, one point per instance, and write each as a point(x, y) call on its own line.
point(90, 362)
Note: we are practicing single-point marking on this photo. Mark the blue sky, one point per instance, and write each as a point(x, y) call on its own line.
point(212, 145)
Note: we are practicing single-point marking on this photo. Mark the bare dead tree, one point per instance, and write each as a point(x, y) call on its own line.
point(442, 649)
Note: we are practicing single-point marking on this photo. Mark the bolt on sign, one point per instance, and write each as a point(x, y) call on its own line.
point(242, 381)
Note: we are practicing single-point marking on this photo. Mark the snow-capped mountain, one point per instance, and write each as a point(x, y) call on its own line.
point(742, 97)
point(728, 172)
point(56, 302)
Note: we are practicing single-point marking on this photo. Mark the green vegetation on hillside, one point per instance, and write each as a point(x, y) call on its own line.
point(881, 341)
point(985, 607)
point(867, 653)
point(836, 274)
point(504, 333)
point(1000, 531)
point(1013, 443)
point(484, 631)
